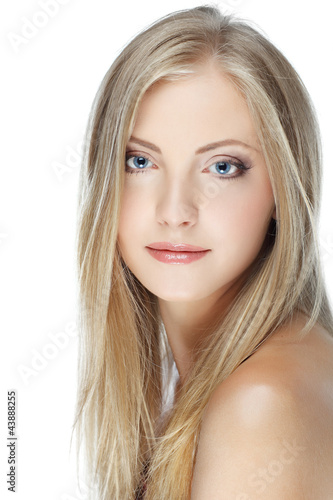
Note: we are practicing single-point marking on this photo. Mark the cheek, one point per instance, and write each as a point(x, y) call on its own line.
point(133, 215)
point(240, 221)
point(127, 210)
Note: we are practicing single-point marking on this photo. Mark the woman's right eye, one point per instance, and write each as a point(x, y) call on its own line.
point(136, 164)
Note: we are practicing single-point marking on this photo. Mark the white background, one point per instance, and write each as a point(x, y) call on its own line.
point(48, 84)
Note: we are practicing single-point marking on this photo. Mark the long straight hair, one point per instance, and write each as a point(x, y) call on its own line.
point(123, 346)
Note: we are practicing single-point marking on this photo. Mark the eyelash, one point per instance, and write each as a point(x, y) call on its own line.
point(241, 166)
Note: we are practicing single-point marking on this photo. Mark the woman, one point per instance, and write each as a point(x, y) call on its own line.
point(197, 251)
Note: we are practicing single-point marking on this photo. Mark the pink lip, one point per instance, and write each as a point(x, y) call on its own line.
point(175, 247)
point(176, 253)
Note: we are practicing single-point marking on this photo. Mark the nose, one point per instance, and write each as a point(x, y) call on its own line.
point(175, 206)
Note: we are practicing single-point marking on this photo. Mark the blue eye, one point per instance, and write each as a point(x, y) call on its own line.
point(224, 168)
point(137, 163)
point(229, 168)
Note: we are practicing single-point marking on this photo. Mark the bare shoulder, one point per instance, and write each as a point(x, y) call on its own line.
point(268, 429)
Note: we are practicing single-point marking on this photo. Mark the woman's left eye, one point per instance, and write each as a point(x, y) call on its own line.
point(137, 163)
point(226, 168)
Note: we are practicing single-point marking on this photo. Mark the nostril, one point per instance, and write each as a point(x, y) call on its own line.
point(176, 214)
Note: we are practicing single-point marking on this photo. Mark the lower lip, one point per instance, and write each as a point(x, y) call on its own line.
point(169, 257)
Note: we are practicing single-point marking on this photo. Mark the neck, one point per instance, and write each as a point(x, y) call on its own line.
point(187, 324)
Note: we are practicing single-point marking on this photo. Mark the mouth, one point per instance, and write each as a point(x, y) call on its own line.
point(179, 253)
point(176, 247)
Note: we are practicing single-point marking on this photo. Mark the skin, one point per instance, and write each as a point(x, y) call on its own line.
point(177, 199)
point(267, 431)
point(279, 401)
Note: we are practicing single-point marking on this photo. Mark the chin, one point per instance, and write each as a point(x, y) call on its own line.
point(178, 295)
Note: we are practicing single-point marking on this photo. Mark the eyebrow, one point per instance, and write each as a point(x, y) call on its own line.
point(203, 149)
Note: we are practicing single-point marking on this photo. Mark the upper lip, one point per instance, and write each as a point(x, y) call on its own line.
point(176, 247)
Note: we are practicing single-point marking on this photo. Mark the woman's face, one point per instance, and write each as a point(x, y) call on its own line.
point(195, 175)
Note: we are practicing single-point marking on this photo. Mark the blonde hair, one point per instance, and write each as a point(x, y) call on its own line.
point(122, 341)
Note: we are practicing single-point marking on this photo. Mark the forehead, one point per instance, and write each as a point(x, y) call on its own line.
point(202, 107)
